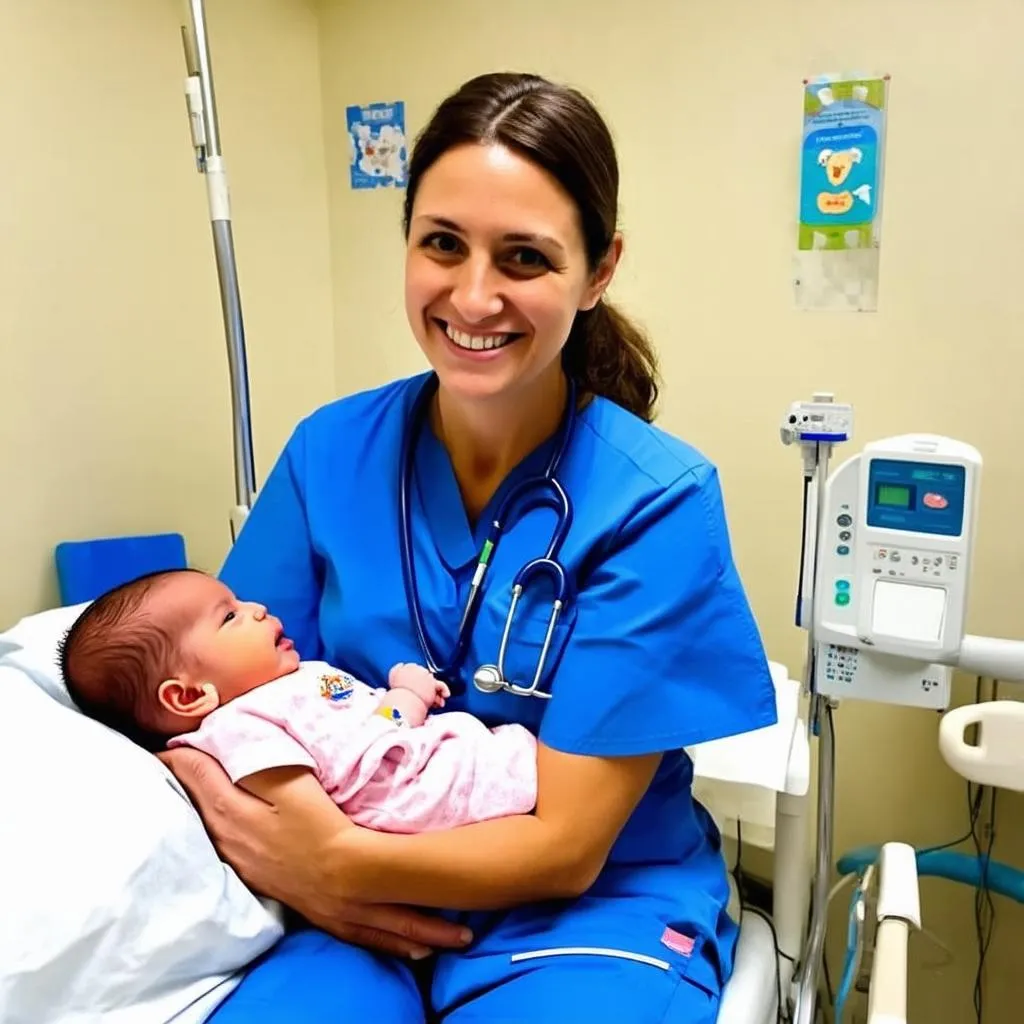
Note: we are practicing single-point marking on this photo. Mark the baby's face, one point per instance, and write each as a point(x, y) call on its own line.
point(235, 645)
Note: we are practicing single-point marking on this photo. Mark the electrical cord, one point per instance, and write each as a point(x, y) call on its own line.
point(984, 907)
point(828, 981)
point(984, 923)
point(832, 770)
point(803, 553)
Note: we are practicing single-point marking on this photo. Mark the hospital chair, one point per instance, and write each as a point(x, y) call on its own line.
point(756, 787)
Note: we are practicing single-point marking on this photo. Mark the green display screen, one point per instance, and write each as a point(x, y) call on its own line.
point(893, 495)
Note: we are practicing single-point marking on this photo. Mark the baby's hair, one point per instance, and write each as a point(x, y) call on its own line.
point(116, 653)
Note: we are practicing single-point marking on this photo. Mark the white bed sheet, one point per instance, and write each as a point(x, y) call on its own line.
point(114, 905)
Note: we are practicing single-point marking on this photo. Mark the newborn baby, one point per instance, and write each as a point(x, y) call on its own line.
point(175, 659)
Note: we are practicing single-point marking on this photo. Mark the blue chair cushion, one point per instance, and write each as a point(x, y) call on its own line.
point(88, 568)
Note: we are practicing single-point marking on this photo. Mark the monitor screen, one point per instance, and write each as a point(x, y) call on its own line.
point(893, 496)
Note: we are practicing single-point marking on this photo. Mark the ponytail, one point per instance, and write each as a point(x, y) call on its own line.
point(608, 355)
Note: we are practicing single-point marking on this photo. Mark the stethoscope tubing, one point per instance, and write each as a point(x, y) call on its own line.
point(527, 493)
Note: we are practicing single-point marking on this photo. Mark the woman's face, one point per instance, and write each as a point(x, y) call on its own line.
point(495, 271)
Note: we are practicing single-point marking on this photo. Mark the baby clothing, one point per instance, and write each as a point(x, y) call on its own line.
point(451, 770)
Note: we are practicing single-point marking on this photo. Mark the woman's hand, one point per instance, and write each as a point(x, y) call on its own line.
point(281, 836)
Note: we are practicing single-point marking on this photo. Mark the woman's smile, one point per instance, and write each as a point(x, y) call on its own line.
point(476, 342)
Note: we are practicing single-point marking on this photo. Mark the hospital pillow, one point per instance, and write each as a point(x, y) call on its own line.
point(31, 645)
point(117, 907)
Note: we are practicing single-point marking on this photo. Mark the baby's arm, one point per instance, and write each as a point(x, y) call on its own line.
point(413, 692)
point(246, 740)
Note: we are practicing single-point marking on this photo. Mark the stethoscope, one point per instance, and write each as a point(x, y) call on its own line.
point(543, 490)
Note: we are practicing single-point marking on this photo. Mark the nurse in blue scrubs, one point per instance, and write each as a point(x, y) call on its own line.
point(608, 903)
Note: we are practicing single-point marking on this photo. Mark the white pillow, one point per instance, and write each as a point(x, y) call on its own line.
point(114, 904)
point(31, 645)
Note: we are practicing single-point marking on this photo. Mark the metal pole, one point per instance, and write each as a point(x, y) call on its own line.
point(820, 724)
point(202, 110)
point(810, 968)
point(816, 426)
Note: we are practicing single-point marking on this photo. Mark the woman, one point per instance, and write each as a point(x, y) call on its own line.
point(608, 903)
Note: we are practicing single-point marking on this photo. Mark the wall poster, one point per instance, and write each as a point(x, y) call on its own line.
point(378, 151)
point(841, 165)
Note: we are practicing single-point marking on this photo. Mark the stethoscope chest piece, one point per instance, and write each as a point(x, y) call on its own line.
point(487, 679)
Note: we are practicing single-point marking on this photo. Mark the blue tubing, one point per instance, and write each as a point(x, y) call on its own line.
point(847, 978)
point(965, 868)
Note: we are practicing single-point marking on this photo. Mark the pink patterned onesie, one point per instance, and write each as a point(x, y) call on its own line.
point(451, 770)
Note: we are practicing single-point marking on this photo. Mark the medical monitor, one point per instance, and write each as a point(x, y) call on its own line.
point(894, 555)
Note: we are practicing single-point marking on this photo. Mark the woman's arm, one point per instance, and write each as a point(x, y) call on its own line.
point(315, 858)
point(557, 852)
point(281, 845)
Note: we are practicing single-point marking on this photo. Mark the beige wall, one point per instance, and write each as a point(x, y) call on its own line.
point(705, 100)
point(114, 395)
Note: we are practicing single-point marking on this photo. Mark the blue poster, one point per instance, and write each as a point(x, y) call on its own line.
point(841, 163)
point(378, 148)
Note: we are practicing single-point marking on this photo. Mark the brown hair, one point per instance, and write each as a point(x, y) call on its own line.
point(115, 654)
point(558, 129)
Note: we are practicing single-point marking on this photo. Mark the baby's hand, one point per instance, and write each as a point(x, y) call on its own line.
point(419, 681)
point(441, 693)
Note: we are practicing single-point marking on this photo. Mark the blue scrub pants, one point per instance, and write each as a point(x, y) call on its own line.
point(311, 978)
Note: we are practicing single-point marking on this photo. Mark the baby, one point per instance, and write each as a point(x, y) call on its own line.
point(174, 659)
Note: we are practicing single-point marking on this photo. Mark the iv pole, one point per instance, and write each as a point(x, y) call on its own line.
point(202, 115)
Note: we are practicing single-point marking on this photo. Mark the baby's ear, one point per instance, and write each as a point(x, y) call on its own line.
point(192, 700)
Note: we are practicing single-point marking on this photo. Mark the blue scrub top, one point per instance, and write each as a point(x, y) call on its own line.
point(659, 650)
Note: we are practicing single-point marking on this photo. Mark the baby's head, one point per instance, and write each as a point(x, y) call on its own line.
point(153, 657)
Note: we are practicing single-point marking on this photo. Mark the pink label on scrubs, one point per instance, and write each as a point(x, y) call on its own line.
point(676, 940)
